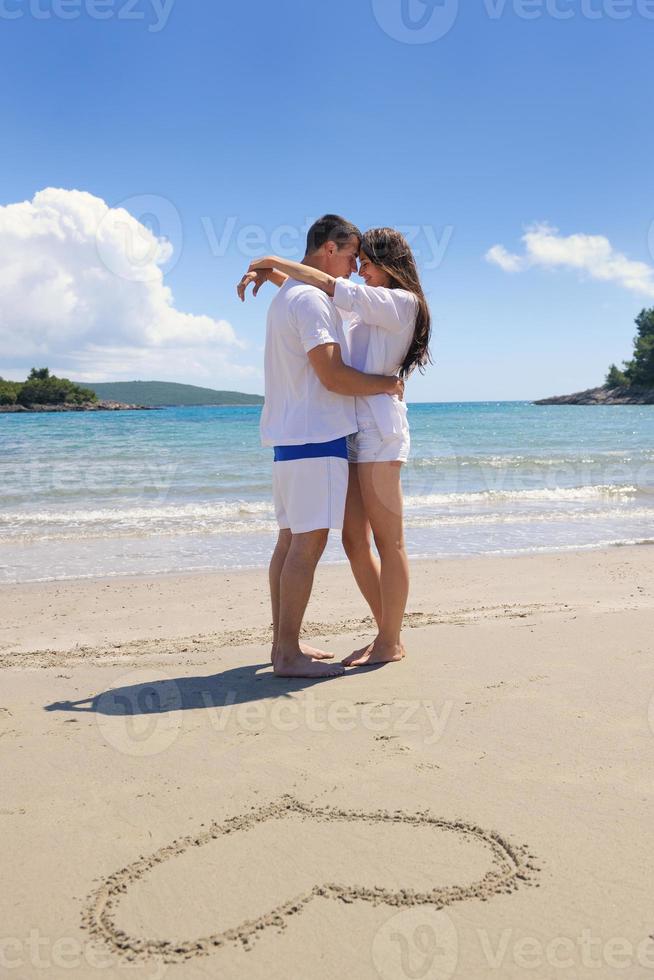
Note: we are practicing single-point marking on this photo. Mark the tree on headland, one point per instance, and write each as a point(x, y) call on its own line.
point(43, 388)
point(9, 391)
point(616, 378)
point(639, 371)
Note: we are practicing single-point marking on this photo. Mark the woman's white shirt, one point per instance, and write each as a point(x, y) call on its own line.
point(380, 331)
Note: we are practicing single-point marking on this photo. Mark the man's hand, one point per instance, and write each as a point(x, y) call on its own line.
point(327, 362)
point(267, 262)
point(255, 276)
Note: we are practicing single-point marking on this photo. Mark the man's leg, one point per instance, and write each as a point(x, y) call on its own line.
point(274, 577)
point(295, 584)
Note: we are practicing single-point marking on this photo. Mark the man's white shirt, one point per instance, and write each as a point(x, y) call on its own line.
point(298, 408)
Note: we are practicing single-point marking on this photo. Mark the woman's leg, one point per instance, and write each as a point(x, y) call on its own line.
point(381, 495)
point(357, 542)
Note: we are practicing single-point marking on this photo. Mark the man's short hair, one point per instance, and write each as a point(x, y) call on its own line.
point(330, 228)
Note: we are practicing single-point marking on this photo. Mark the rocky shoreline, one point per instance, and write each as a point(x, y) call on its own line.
point(603, 396)
point(99, 406)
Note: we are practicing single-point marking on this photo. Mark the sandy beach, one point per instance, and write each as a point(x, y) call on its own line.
point(484, 809)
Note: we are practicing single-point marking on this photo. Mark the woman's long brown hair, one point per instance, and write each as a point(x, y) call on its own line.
point(390, 250)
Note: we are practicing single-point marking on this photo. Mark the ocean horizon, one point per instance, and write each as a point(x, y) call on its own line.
point(185, 489)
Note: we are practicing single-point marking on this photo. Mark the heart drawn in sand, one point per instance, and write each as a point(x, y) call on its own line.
point(509, 867)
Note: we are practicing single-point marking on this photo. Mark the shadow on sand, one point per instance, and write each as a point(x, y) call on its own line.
point(240, 685)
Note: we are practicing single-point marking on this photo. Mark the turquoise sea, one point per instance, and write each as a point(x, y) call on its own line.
point(181, 489)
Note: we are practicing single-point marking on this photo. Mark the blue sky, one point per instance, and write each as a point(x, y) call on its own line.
point(268, 115)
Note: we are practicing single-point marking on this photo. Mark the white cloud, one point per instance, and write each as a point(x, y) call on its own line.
point(499, 255)
point(192, 364)
point(592, 255)
point(81, 284)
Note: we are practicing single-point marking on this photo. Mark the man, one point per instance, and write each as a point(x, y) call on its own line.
point(308, 413)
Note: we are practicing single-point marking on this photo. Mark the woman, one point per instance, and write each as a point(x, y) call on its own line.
point(388, 333)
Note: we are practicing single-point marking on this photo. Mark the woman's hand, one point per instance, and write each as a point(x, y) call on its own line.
point(255, 276)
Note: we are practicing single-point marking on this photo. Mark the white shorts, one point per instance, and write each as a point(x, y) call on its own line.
point(369, 446)
point(309, 494)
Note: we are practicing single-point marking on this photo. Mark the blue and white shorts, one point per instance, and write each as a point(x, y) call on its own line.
point(310, 486)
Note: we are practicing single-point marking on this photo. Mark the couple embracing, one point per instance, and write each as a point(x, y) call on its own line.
point(335, 417)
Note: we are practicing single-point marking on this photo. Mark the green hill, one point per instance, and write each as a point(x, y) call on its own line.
point(160, 393)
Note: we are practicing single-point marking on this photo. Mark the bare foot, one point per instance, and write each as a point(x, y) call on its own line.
point(379, 653)
point(358, 654)
point(295, 663)
point(308, 651)
point(315, 653)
